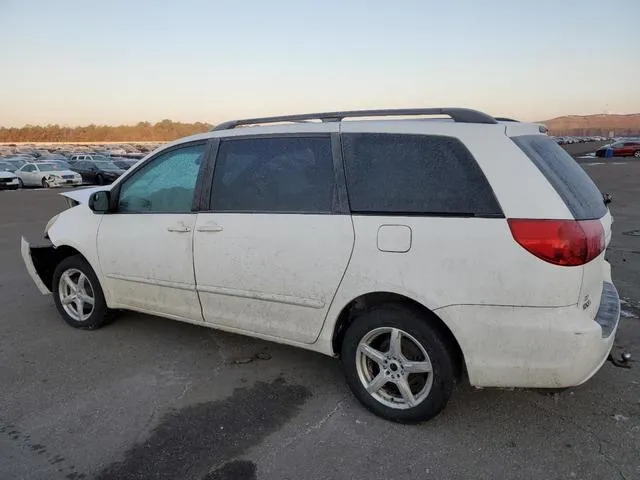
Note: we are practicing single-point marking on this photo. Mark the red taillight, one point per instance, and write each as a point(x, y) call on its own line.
point(561, 242)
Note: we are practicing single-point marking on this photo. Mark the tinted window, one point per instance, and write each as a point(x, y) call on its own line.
point(165, 184)
point(580, 194)
point(414, 174)
point(274, 175)
point(29, 168)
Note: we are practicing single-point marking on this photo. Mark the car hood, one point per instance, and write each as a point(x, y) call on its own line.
point(59, 173)
point(82, 195)
point(4, 174)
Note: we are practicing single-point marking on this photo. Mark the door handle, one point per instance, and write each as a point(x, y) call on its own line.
point(210, 228)
point(179, 229)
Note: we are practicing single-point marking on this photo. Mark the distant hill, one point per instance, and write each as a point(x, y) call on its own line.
point(142, 131)
point(594, 125)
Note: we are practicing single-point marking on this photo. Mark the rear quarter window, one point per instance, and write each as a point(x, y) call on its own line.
point(415, 175)
point(575, 187)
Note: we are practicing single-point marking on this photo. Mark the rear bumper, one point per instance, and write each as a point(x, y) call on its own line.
point(27, 257)
point(534, 347)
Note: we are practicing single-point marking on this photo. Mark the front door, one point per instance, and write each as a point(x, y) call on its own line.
point(272, 250)
point(145, 248)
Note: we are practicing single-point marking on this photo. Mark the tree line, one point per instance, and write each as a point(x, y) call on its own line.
point(142, 131)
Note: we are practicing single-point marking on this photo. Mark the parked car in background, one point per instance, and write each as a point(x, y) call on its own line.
point(405, 247)
point(621, 149)
point(89, 157)
point(8, 178)
point(7, 166)
point(52, 157)
point(100, 173)
point(124, 163)
point(47, 175)
point(62, 163)
point(116, 151)
point(15, 161)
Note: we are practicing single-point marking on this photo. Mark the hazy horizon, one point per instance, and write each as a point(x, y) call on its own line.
point(75, 63)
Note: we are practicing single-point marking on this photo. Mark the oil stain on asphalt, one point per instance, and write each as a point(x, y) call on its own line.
point(202, 441)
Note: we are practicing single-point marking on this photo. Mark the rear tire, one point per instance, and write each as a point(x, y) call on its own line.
point(636, 154)
point(408, 384)
point(78, 295)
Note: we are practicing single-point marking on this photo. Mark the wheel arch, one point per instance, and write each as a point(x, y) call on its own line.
point(367, 301)
point(46, 259)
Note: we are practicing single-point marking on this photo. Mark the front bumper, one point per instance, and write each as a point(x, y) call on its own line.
point(534, 347)
point(12, 185)
point(25, 250)
point(64, 182)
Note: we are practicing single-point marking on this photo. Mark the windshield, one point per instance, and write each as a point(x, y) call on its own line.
point(50, 167)
point(7, 167)
point(107, 166)
point(100, 158)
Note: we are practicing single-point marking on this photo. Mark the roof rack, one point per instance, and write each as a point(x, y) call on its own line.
point(505, 119)
point(462, 115)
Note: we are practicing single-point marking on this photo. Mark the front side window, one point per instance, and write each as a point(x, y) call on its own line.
point(285, 175)
point(164, 185)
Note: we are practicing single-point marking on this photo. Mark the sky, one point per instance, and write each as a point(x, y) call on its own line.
point(75, 62)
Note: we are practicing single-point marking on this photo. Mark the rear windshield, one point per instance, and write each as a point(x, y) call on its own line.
point(580, 194)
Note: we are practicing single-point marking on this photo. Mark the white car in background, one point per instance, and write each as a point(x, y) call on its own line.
point(8, 179)
point(46, 175)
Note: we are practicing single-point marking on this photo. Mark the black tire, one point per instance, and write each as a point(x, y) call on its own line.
point(100, 314)
point(44, 183)
point(20, 183)
point(417, 325)
point(636, 154)
point(99, 180)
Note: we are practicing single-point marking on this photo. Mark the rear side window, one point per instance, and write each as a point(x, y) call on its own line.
point(285, 175)
point(413, 175)
point(575, 187)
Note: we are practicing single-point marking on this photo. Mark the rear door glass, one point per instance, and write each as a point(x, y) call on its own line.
point(575, 187)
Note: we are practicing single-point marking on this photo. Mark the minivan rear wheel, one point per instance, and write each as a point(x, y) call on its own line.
point(397, 364)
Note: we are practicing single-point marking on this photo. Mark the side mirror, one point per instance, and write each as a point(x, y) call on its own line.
point(99, 201)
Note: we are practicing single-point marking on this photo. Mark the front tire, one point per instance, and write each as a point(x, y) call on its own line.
point(20, 183)
point(397, 364)
point(78, 295)
point(636, 154)
point(45, 184)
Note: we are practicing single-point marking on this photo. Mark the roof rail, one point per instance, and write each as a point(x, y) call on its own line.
point(462, 115)
point(505, 119)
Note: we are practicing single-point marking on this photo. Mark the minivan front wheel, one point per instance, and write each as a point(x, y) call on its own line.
point(78, 295)
point(397, 364)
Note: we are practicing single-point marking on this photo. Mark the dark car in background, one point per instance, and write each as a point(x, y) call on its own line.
point(621, 149)
point(124, 163)
point(101, 173)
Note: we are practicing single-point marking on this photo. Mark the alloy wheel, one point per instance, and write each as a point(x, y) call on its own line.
point(394, 368)
point(76, 294)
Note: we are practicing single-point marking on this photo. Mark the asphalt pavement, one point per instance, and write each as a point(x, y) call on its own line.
point(149, 398)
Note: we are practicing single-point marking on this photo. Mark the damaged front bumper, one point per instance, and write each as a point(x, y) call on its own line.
point(35, 261)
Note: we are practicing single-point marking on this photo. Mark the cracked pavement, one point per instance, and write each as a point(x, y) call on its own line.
point(153, 398)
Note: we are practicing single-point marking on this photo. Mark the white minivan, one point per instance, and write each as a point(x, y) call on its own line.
point(417, 249)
